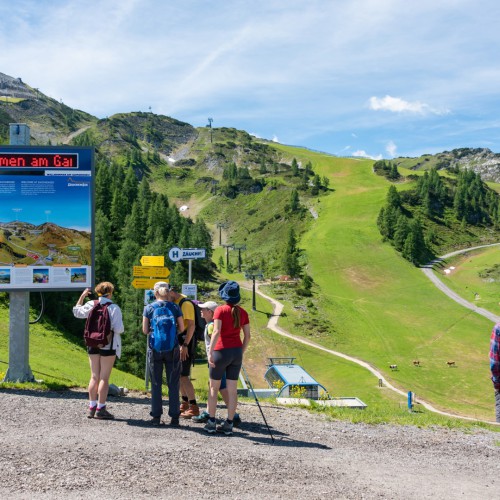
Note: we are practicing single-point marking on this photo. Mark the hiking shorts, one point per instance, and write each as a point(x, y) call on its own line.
point(186, 364)
point(186, 367)
point(227, 361)
point(102, 352)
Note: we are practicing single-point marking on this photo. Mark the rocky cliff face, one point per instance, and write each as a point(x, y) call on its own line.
point(15, 87)
point(481, 160)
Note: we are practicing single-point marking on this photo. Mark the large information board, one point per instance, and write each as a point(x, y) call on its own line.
point(46, 218)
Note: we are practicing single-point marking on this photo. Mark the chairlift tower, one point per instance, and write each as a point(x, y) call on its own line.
point(253, 275)
point(239, 248)
point(220, 227)
point(227, 247)
point(210, 120)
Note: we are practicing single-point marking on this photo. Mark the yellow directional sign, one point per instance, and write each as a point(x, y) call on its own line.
point(152, 271)
point(153, 260)
point(145, 283)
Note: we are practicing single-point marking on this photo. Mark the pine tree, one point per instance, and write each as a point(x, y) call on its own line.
point(294, 201)
point(401, 232)
point(103, 248)
point(119, 211)
point(291, 257)
point(130, 185)
point(393, 197)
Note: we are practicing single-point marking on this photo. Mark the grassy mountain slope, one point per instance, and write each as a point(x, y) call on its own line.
point(384, 309)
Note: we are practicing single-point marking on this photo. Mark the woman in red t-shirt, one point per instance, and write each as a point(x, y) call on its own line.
point(225, 354)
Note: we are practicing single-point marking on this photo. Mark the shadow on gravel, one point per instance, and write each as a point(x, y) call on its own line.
point(252, 431)
point(247, 430)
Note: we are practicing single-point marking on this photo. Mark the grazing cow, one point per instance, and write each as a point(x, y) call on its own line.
point(393, 367)
point(450, 363)
point(416, 362)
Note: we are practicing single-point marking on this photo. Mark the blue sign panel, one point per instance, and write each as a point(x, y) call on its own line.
point(46, 218)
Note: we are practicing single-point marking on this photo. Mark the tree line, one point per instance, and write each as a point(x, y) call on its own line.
point(466, 199)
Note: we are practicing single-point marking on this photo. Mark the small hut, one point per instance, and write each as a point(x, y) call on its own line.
point(283, 374)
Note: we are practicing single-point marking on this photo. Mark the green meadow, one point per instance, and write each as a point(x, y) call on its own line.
point(383, 309)
point(57, 360)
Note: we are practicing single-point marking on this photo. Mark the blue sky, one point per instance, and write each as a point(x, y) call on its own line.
point(378, 78)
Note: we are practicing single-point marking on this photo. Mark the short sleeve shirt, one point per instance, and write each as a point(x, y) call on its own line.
point(229, 335)
point(187, 309)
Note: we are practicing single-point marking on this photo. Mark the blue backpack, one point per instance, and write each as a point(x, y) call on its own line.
point(164, 328)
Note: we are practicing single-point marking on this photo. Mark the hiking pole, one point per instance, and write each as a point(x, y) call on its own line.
point(247, 380)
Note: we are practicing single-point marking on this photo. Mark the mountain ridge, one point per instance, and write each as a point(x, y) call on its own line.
point(53, 122)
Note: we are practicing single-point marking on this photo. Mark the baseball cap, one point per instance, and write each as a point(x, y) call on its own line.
point(210, 304)
point(161, 284)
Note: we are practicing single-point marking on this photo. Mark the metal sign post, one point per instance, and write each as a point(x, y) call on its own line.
point(19, 307)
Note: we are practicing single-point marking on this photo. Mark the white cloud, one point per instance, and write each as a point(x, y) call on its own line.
point(391, 148)
point(275, 139)
point(398, 105)
point(363, 154)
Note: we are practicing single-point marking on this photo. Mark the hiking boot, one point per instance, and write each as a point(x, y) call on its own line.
point(201, 418)
point(155, 421)
point(225, 428)
point(103, 414)
point(236, 420)
point(184, 406)
point(174, 422)
point(91, 412)
point(193, 411)
point(210, 427)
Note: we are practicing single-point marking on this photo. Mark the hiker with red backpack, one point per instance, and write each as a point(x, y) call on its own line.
point(102, 335)
point(162, 320)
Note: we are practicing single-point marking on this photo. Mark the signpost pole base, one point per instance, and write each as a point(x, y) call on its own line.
point(19, 369)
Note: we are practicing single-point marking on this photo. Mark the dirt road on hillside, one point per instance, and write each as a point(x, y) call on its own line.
point(49, 449)
point(428, 271)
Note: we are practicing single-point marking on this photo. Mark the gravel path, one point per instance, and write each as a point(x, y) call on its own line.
point(49, 449)
point(428, 271)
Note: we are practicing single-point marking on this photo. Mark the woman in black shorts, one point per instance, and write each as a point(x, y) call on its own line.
point(225, 354)
point(101, 360)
